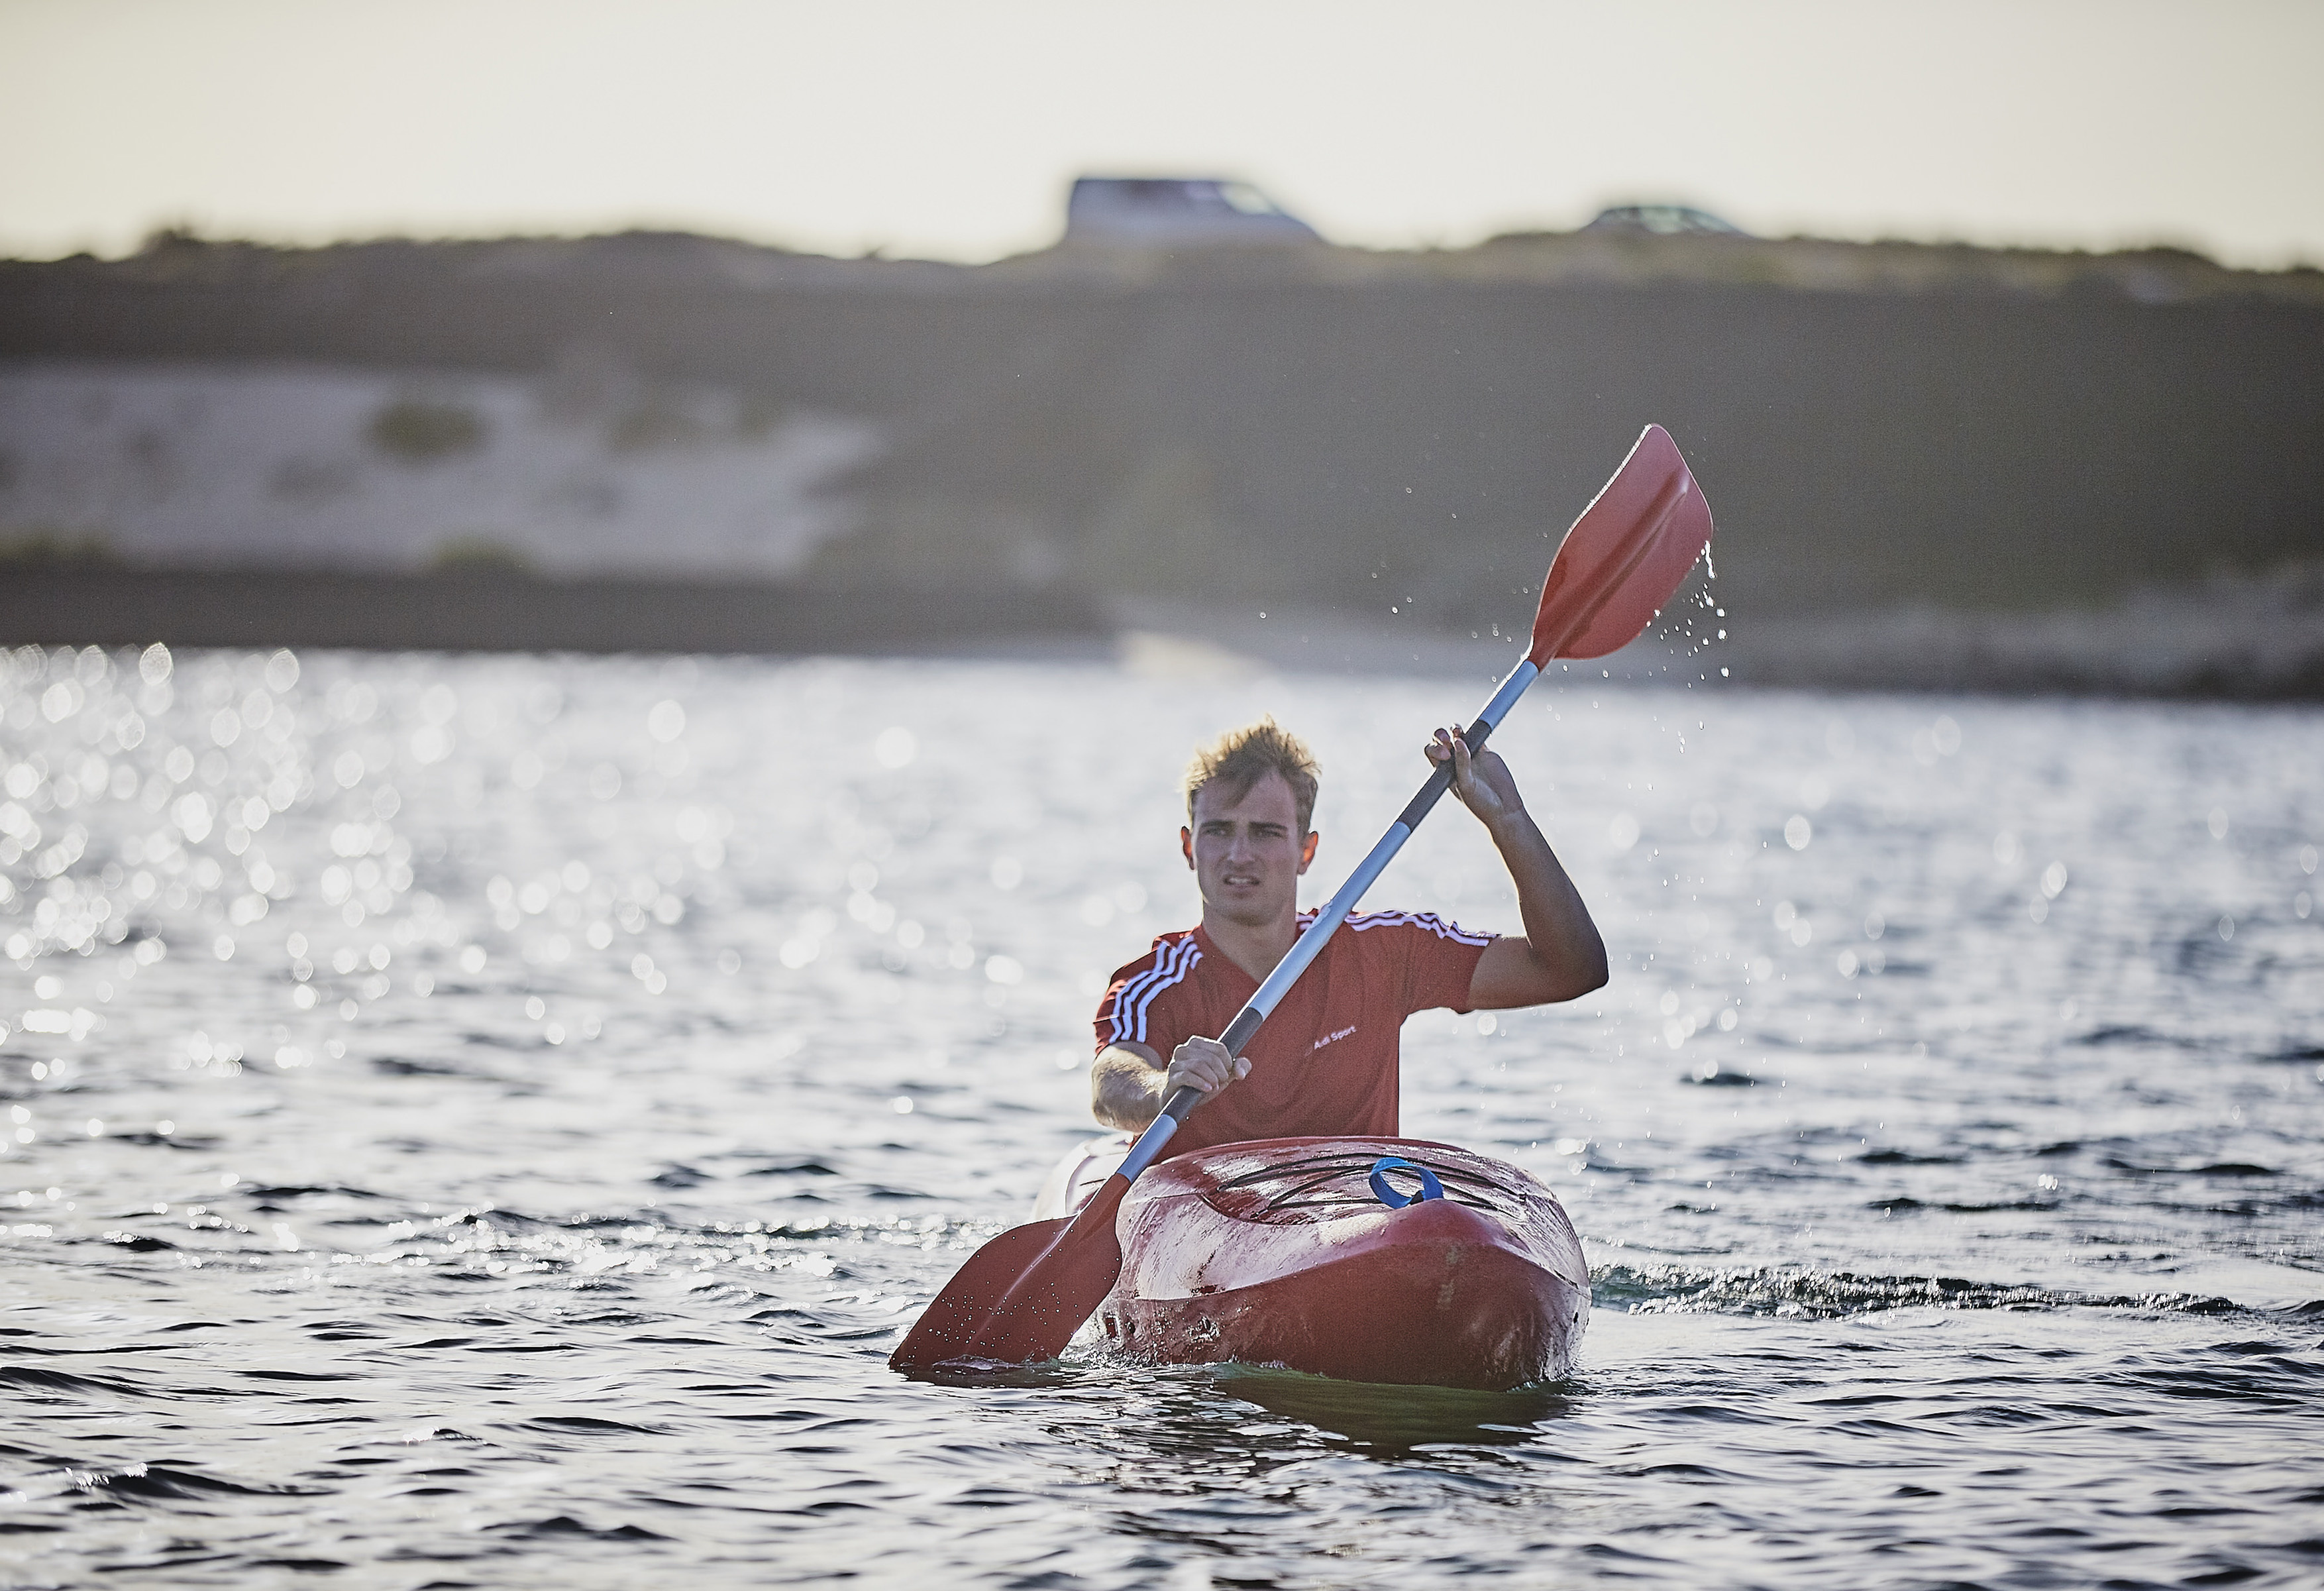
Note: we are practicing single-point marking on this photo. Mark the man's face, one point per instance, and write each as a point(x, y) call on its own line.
point(1248, 855)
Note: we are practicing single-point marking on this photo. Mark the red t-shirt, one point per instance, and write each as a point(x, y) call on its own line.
point(1325, 1063)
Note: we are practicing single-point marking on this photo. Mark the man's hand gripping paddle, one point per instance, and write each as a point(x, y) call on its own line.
point(1023, 1295)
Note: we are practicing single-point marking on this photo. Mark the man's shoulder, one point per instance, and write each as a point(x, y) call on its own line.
point(1412, 930)
point(1177, 951)
point(1168, 962)
point(1121, 1015)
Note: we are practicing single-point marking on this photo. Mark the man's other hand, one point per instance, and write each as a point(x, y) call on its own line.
point(1128, 1084)
point(1204, 1064)
point(1482, 783)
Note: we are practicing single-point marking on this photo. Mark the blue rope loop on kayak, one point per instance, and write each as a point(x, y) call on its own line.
point(1386, 1191)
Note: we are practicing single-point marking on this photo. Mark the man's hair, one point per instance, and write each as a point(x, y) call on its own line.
point(1240, 758)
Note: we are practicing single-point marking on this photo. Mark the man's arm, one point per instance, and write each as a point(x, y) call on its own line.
point(1129, 1083)
point(1560, 956)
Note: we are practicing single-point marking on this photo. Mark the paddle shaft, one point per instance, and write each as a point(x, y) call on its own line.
point(1309, 945)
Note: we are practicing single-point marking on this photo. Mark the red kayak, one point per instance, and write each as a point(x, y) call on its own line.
point(1368, 1259)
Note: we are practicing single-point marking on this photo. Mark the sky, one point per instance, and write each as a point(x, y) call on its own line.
point(947, 130)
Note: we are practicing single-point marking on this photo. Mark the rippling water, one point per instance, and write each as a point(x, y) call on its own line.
point(486, 1121)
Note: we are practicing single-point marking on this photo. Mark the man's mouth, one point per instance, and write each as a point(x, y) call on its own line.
point(1241, 880)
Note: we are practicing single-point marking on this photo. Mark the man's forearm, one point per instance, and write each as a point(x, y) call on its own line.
point(1125, 1087)
point(1558, 927)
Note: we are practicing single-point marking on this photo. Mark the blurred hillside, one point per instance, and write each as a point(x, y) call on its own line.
point(1877, 425)
point(585, 472)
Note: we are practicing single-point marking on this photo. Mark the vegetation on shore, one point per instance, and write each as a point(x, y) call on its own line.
point(2158, 274)
point(52, 547)
point(413, 430)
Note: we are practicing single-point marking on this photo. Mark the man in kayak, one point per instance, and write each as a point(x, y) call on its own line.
point(1326, 1062)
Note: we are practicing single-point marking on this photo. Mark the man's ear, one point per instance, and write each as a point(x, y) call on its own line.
point(1187, 844)
point(1308, 849)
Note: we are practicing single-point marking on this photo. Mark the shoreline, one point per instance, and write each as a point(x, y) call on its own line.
point(2255, 640)
point(495, 612)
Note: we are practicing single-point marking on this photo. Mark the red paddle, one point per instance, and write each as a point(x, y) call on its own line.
point(1023, 1295)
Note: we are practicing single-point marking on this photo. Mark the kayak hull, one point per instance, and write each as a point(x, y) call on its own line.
point(1280, 1251)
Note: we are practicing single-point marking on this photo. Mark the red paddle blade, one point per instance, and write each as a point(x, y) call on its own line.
point(1623, 557)
point(1023, 1295)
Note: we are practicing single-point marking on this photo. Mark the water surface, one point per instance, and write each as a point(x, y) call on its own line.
point(486, 1121)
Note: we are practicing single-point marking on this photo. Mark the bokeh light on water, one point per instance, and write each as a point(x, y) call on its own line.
point(488, 1119)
